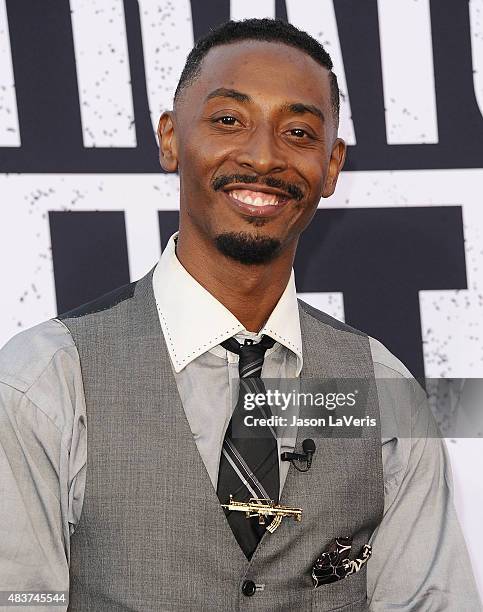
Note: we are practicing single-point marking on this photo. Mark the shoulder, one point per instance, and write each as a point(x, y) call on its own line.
point(27, 355)
point(385, 363)
point(40, 377)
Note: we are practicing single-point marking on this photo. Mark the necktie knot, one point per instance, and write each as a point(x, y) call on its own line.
point(251, 355)
point(235, 347)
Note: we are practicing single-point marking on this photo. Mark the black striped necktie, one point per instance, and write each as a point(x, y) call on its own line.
point(249, 458)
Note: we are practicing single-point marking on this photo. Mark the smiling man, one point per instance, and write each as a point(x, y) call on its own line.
point(255, 143)
point(125, 461)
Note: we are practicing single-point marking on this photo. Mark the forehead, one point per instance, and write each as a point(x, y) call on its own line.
point(263, 69)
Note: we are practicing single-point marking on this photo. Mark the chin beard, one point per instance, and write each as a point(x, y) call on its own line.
point(246, 248)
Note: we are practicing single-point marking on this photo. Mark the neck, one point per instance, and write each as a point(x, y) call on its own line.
point(250, 293)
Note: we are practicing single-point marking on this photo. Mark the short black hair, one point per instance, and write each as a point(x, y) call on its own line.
point(270, 30)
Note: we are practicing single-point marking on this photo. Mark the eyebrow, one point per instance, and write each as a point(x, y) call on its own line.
point(298, 108)
point(223, 92)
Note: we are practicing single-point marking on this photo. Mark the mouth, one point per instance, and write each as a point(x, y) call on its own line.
point(260, 201)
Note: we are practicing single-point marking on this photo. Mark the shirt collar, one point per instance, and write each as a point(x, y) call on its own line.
point(193, 321)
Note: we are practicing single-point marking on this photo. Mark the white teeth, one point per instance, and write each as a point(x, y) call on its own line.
point(257, 201)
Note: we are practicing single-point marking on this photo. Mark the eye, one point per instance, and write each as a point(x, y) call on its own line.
point(299, 133)
point(226, 120)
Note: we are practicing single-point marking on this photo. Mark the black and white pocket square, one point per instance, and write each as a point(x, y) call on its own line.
point(334, 563)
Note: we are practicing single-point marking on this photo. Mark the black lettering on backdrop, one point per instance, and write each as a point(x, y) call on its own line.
point(380, 258)
point(207, 15)
point(460, 123)
point(48, 104)
point(48, 101)
point(89, 253)
point(46, 87)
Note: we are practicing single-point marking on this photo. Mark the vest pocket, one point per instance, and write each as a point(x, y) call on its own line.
point(348, 594)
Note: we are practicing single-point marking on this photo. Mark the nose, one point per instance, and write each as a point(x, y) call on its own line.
point(260, 152)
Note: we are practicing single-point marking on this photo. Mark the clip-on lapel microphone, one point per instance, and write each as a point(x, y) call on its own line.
point(309, 449)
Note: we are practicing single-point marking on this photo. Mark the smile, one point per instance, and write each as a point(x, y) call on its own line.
point(256, 203)
point(256, 198)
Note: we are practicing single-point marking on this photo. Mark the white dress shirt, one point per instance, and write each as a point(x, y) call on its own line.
point(193, 336)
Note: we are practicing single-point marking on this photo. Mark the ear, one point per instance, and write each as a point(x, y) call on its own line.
point(168, 144)
point(337, 159)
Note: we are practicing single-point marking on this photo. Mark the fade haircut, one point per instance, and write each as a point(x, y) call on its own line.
point(269, 30)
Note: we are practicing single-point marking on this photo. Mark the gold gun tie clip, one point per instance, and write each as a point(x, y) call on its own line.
point(262, 508)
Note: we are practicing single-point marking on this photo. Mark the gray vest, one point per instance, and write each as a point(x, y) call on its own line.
point(152, 535)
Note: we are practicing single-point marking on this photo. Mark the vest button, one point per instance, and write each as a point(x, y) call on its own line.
point(248, 588)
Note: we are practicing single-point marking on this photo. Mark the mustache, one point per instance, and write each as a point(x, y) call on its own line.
point(222, 181)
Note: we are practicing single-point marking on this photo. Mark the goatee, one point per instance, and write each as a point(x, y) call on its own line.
point(246, 248)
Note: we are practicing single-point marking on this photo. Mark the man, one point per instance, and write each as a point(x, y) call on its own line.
point(119, 433)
